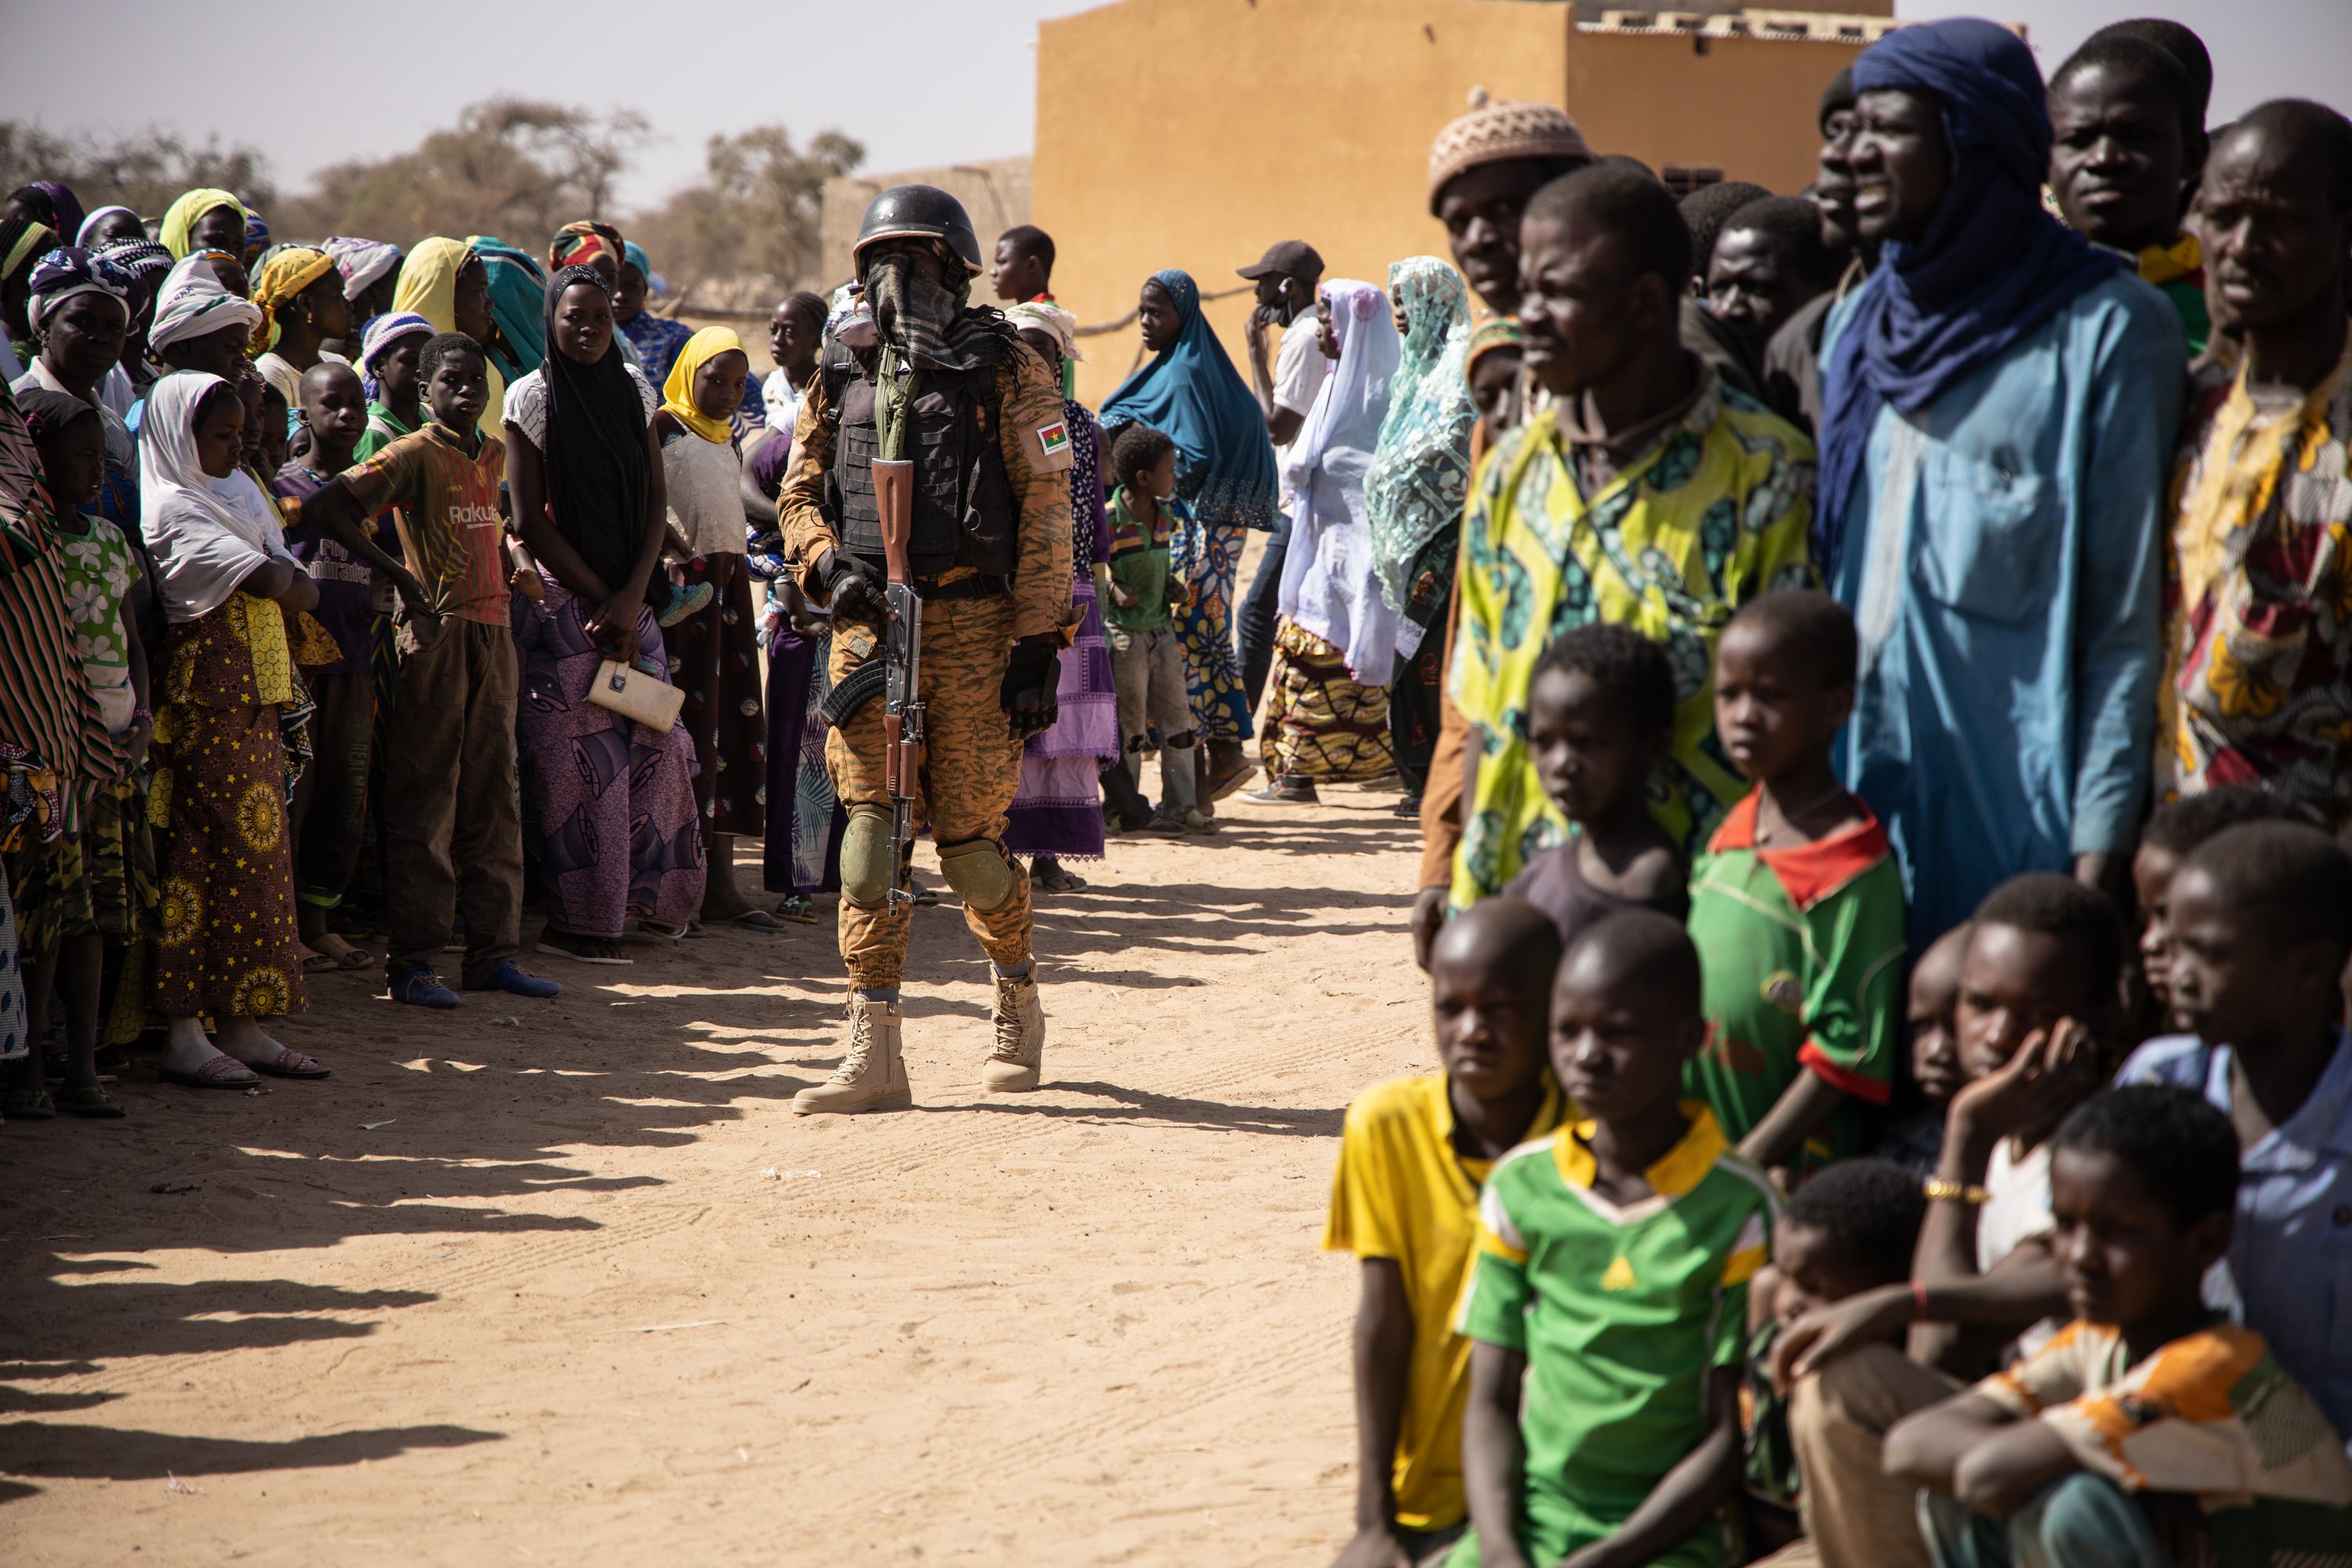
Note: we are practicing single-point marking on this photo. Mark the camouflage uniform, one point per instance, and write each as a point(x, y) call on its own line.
point(971, 762)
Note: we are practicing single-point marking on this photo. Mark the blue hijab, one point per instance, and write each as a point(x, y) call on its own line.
point(1191, 394)
point(518, 296)
point(1993, 266)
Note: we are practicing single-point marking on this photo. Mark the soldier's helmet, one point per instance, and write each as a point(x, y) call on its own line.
point(923, 212)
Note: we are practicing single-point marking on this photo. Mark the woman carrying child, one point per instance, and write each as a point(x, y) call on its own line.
point(1058, 809)
point(227, 946)
point(1323, 721)
point(714, 654)
point(1413, 498)
point(611, 802)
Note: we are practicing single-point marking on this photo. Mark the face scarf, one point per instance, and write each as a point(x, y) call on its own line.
point(678, 392)
point(1991, 267)
point(598, 476)
point(60, 275)
point(181, 216)
point(1191, 394)
point(924, 319)
point(1421, 467)
point(284, 277)
point(382, 334)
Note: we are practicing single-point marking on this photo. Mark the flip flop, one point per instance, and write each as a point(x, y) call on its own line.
point(90, 1100)
point(1058, 881)
point(349, 958)
point(318, 963)
point(214, 1074)
point(800, 910)
point(749, 920)
point(32, 1105)
point(552, 950)
point(284, 1067)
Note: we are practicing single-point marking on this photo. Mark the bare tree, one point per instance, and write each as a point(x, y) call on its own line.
point(143, 171)
point(758, 211)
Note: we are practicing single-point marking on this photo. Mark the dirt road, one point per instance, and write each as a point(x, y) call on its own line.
point(564, 1282)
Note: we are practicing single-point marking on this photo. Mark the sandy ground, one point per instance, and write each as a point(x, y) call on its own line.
point(566, 1282)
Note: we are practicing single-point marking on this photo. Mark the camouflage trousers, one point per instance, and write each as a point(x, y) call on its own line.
point(971, 768)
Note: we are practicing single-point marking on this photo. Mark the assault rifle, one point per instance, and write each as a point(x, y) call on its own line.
point(902, 652)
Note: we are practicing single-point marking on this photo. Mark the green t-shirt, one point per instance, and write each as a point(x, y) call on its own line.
point(1624, 1316)
point(1138, 563)
point(1803, 950)
point(383, 427)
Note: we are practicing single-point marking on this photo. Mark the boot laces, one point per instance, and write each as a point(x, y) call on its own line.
point(1008, 1022)
point(861, 1048)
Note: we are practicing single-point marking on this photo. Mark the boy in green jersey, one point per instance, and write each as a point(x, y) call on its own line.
point(1797, 906)
point(1607, 1296)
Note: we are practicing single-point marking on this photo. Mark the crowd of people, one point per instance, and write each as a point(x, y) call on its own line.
point(1862, 611)
point(1812, 631)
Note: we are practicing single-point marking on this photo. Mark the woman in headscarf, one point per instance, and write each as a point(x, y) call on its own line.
point(658, 339)
point(23, 242)
point(1323, 719)
point(714, 652)
point(204, 220)
point(444, 282)
point(1224, 474)
point(199, 326)
point(1412, 499)
point(611, 803)
point(79, 312)
point(300, 295)
point(228, 947)
point(111, 226)
point(369, 269)
point(1058, 810)
point(144, 264)
point(517, 300)
point(49, 203)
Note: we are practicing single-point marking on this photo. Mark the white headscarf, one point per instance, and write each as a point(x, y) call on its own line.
point(81, 234)
point(1331, 577)
point(208, 535)
point(192, 304)
point(1051, 320)
point(362, 263)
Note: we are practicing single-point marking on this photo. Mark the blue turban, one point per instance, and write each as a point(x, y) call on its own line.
point(1991, 267)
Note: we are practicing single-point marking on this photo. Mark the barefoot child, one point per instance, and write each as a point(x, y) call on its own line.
point(1609, 1293)
point(1415, 1152)
point(91, 889)
point(1600, 715)
point(1147, 658)
point(450, 811)
point(2150, 1431)
point(2260, 924)
point(714, 654)
point(1797, 906)
point(330, 805)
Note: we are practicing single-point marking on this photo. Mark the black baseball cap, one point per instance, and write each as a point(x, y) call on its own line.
point(1294, 257)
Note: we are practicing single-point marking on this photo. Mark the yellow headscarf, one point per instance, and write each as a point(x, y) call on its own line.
point(284, 276)
point(181, 216)
point(428, 286)
point(678, 392)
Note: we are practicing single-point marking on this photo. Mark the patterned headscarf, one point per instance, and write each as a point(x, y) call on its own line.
point(1051, 320)
point(181, 216)
point(285, 275)
point(1420, 469)
point(382, 334)
point(256, 236)
point(62, 273)
point(678, 392)
point(145, 263)
point(81, 231)
point(23, 241)
point(363, 263)
point(192, 304)
point(577, 244)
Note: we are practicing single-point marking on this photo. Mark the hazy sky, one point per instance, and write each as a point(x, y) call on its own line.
point(961, 83)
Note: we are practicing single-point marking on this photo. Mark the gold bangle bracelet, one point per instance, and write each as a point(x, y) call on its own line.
point(1936, 1189)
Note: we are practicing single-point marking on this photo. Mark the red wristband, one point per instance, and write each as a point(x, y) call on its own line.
point(1918, 1300)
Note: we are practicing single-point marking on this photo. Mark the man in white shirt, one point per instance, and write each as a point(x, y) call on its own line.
point(1286, 278)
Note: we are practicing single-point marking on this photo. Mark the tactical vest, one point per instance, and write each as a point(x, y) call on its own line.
point(964, 511)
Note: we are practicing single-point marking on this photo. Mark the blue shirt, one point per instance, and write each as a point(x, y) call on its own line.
point(2289, 1273)
point(2003, 557)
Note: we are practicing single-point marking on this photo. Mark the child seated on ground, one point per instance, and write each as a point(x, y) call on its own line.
point(2173, 833)
point(2037, 993)
point(2149, 1431)
point(1609, 1293)
point(1850, 1228)
point(1797, 906)
point(1404, 1200)
point(1147, 656)
point(1600, 717)
point(1914, 1140)
point(2260, 925)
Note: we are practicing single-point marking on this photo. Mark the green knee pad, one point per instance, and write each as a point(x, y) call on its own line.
point(980, 874)
point(866, 868)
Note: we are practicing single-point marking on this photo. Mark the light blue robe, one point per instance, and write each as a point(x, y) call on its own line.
point(2003, 559)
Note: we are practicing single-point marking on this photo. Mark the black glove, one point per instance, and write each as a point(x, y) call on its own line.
point(1031, 678)
point(855, 589)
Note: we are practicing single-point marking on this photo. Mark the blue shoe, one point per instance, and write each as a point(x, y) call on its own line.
point(685, 603)
point(421, 988)
point(515, 980)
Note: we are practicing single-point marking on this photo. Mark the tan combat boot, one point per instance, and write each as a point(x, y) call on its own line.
point(1018, 1057)
point(873, 1072)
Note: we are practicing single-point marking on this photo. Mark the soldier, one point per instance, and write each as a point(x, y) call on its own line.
point(979, 414)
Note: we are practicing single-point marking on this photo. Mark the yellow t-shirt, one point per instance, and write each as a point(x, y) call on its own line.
point(1402, 1191)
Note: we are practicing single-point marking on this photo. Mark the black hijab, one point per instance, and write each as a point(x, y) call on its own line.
point(598, 476)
